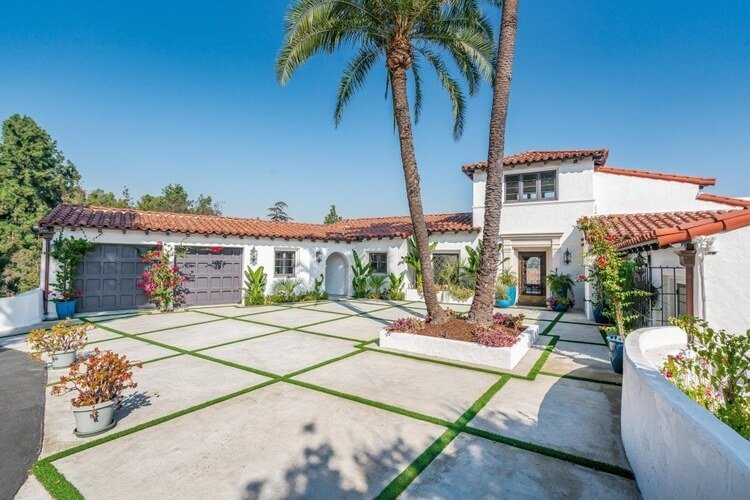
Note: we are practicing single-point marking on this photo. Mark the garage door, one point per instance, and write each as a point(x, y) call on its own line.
point(214, 274)
point(108, 277)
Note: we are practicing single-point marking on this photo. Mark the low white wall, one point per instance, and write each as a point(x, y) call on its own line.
point(20, 310)
point(676, 448)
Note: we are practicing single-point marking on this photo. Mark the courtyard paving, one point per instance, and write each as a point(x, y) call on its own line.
point(291, 401)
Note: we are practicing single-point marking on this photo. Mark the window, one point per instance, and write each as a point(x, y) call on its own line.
point(531, 186)
point(284, 263)
point(379, 262)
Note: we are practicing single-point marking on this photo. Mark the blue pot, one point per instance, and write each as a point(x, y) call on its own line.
point(615, 345)
point(511, 292)
point(599, 314)
point(561, 308)
point(65, 310)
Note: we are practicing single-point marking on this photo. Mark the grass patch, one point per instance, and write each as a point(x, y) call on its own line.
point(54, 482)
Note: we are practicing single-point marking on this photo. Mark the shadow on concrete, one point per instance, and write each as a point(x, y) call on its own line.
point(22, 395)
point(132, 402)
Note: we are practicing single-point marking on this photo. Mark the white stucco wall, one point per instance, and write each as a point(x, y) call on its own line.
point(676, 448)
point(620, 194)
point(21, 310)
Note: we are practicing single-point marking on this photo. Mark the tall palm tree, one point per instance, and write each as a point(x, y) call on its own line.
point(403, 34)
point(481, 307)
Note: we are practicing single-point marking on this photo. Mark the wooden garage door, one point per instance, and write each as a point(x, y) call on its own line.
point(108, 277)
point(214, 274)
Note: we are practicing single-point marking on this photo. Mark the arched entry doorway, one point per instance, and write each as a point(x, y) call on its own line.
point(336, 273)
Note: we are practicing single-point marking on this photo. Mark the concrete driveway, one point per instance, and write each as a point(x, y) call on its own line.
point(299, 401)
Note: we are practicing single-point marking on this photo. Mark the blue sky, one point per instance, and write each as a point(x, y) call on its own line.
point(147, 93)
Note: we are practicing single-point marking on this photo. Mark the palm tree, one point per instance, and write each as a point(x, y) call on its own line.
point(481, 307)
point(277, 212)
point(404, 34)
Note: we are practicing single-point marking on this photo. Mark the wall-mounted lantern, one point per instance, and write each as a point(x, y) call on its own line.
point(253, 256)
point(319, 255)
point(567, 257)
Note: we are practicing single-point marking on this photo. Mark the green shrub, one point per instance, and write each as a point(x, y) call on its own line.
point(285, 288)
point(376, 286)
point(396, 289)
point(361, 272)
point(255, 286)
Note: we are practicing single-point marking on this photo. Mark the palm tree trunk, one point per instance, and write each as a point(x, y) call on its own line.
point(481, 308)
point(413, 192)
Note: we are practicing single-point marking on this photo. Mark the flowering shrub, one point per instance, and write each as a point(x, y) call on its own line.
point(102, 377)
point(496, 337)
point(405, 325)
point(61, 337)
point(216, 249)
point(714, 371)
point(162, 282)
point(610, 273)
point(509, 320)
point(553, 302)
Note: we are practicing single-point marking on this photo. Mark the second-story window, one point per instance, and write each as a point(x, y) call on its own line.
point(531, 186)
point(379, 262)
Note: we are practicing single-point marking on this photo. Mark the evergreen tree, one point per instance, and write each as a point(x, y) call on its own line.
point(277, 212)
point(332, 217)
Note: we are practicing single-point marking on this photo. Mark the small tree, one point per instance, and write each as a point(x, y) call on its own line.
point(278, 213)
point(332, 217)
point(612, 271)
point(69, 253)
point(163, 282)
point(255, 286)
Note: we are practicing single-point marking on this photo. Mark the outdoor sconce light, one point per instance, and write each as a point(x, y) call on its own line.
point(253, 256)
point(567, 257)
point(318, 256)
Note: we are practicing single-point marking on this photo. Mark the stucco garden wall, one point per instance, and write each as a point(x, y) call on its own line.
point(676, 448)
point(21, 310)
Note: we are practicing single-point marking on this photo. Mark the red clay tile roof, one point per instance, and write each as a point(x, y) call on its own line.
point(726, 200)
point(66, 215)
point(700, 181)
point(599, 156)
point(668, 228)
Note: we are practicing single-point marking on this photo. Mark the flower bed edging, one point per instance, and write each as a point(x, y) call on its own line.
point(468, 352)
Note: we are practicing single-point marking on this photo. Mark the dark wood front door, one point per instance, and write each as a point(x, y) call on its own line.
point(532, 268)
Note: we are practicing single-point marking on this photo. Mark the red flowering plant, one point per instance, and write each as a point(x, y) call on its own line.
point(610, 272)
point(216, 250)
point(162, 282)
point(101, 378)
point(405, 325)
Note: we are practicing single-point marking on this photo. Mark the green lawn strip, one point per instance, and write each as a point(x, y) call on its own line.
point(551, 452)
point(583, 379)
point(329, 335)
point(542, 359)
point(237, 341)
point(54, 482)
point(371, 402)
point(366, 343)
point(408, 475)
point(322, 363)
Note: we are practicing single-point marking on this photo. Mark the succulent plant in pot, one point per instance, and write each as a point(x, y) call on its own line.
point(99, 382)
point(61, 342)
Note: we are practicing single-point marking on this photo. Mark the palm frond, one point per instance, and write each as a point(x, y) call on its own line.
point(451, 87)
point(354, 77)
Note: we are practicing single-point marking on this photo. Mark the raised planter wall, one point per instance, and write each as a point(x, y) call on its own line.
point(676, 448)
point(457, 350)
point(443, 297)
point(19, 311)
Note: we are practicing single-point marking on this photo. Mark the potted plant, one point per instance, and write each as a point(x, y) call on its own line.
point(99, 382)
point(61, 342)
point(560, 286)
point(506, 289)
point(68, 253)
point(614, 278)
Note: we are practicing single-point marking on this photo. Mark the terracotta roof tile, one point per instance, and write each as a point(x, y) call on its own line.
point(700, 181)
point(599, 156)
point(726, 200)
point(346, 230)
point(668, 228)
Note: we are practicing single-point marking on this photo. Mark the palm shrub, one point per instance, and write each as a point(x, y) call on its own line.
point(405, 34)
point(396, 289)
point(255, 286)
point(559, 284)
point(361, 272)
point(285, 289)
point(376, 284)
point(474, 258)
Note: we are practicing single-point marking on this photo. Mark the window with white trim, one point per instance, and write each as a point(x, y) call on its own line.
point(379, 262)
point(284, 263)
point(531, 186)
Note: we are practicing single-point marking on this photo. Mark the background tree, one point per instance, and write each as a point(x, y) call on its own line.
point(484, 295)
point(277, 212)
point(34, 177)
point(174, 198)
point(404, 34)
point(332, 217)
point(102, 198)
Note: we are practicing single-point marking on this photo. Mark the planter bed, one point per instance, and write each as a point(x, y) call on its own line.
point(458, 350)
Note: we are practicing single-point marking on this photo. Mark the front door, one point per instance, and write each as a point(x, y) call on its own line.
point(532, 269)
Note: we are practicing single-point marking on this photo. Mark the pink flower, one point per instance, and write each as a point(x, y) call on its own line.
point(668, 374)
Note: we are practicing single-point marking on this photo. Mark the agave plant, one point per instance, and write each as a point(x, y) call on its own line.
point(255, 286)
point(286, 287)
point(361, 271)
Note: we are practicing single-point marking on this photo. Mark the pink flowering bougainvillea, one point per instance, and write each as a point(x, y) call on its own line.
point(162, 281)
point(216, 249)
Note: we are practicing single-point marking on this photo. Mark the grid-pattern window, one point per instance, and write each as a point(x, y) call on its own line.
point(379, 262)
point(531, 186)
point(284, 263)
